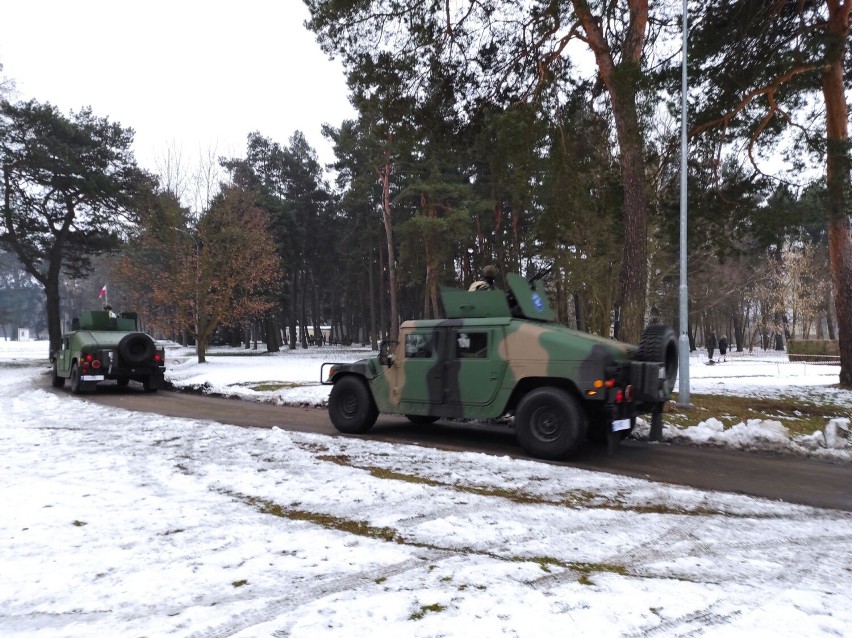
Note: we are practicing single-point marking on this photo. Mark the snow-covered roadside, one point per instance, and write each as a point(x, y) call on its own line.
point(122, 525)
point(293, 378)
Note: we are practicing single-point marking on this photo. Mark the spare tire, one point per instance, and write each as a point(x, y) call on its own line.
point(658, 343)
point(136, 348)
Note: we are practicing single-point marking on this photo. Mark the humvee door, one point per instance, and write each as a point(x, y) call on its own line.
point(475, 370)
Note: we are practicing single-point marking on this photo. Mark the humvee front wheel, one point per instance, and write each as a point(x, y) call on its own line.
point(549, 423)
point(351, 407)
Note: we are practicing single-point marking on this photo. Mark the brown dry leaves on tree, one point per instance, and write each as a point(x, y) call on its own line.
point(222, 272)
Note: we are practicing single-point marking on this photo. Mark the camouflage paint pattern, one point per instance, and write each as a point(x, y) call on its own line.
point(525, 349)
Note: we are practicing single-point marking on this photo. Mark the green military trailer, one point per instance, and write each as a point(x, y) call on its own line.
point(101, 347)
point(501, 353)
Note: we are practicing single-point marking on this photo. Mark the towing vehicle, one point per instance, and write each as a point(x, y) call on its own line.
point(502, 354)
point(102, 346)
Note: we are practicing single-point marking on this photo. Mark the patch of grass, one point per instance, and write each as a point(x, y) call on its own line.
point(239, 583)
point(800, 416)
point(267, 386)
point(425, 609)
point(585, 570)
point(359, 528)
point(544, 562)
point(79, 523)
point(382, 473)
point(579, 499)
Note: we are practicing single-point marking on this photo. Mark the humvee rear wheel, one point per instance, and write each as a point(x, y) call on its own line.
point(549, 423)
point(76, 384)
point(350, 406)
point(419, 419)
point(57, 381)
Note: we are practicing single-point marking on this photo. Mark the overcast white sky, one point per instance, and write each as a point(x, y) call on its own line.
point(190, 74)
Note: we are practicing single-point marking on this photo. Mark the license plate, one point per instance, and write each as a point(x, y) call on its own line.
point(620, 424)
point(91, 377)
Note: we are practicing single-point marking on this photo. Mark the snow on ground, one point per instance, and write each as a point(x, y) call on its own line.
point(767, 374)
point(122, 524)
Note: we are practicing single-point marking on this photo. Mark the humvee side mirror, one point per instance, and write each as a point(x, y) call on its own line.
point(386, 352)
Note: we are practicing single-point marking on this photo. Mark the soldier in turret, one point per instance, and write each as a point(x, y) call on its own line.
point(486, 279)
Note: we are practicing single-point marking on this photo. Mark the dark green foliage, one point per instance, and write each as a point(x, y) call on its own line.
point(70, 185)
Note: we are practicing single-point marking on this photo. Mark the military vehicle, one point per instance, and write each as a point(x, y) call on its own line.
point(102, 346)
point(501, 354)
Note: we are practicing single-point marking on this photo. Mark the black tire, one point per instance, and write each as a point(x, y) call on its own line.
point(123, 382)
point(550, 423)
point(136, 348)
point(351, 407)
point(419, 419)
point(56, 381)
point(76, 384)
point(658, 343)
point(149, 385)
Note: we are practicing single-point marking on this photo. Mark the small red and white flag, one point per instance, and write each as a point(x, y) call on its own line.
point(103, 292)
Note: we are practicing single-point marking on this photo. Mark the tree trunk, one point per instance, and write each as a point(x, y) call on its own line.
point(315, 311)
point(54, 321)
point(383, 322)
point(374, 342)
point(271, 334)
point(201, 341)
point(830, 315)
point(838, 181)
point(294, 305)
point(303, 308)
point(578, 312)
point(621, 82)
point(385, 174)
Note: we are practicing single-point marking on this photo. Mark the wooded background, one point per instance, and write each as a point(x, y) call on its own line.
point(516, 133)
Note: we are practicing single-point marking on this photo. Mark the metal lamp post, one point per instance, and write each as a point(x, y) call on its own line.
point(683, 342)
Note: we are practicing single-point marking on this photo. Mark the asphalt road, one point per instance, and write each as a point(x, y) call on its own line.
point(778, 477)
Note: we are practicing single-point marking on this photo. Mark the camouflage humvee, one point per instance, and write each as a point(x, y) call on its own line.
point(101, 347)
point(501, 353)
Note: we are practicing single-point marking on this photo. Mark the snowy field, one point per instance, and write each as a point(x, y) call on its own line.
point(140, 525)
